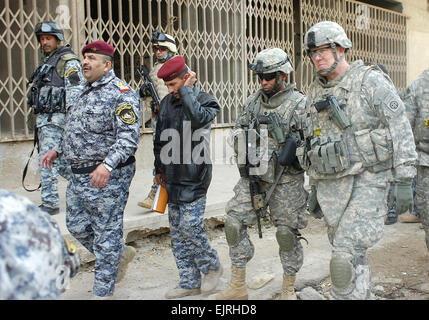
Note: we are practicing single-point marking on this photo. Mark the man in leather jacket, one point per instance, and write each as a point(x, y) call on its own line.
point(182, 164)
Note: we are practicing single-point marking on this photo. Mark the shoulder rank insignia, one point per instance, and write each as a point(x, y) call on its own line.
point(123, 87)
point(126, 113)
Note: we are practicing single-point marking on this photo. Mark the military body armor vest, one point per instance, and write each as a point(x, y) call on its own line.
point(47, 94)
point(332, 151)
point(285, 112)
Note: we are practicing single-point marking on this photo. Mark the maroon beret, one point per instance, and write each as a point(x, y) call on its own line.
point(172, 68)
point(99, 47)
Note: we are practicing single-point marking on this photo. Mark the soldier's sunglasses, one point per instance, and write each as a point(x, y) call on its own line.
point(158, 48)
point(267, 76)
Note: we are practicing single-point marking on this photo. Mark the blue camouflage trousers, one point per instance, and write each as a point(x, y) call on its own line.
point(189, 242)
point(95, 218)
point(49, 137)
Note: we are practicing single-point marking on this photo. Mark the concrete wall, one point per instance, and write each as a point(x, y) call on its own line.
point(418, 37)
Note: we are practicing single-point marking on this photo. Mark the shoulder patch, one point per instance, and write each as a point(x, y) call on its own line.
point(70, 71)
point(122, 87)
point(126, 113)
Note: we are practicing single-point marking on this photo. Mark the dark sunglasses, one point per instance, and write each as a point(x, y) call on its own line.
point(156, 48)
point(267, 76)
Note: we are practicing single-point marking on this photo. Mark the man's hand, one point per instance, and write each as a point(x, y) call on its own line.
point(48, 159)
point(159, 179)
point(99, 177)
point(191, 78)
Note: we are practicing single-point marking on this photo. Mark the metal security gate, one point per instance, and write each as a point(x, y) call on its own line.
point(218, 38)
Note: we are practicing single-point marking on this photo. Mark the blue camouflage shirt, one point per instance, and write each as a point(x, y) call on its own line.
point(103, 124)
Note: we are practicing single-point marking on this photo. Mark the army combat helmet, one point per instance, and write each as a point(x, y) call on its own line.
point(327, 32)
point(271, 61)
point(49, 27)
point(165, 40)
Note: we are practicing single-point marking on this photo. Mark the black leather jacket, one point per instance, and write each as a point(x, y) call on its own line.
point(185, 163)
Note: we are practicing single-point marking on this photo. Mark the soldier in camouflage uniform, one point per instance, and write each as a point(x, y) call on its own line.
point(165, 48)
point(287, 204)
point(358, 139)
point(417, 103)
point(56, 85)
point(100, 139)
point(35, 261)
point(186, 113)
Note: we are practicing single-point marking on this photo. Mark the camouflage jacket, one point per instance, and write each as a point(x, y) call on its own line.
point(289, 104)
point(35, 261)
point(379, 137)
point(103, 124)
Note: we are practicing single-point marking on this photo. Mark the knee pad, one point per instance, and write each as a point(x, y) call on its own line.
point(285, 238)
point(232, 231)
point(341, 272)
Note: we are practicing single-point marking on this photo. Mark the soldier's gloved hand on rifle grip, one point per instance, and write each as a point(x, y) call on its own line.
point(313, 204)
point(403, 194)
point(144, 91)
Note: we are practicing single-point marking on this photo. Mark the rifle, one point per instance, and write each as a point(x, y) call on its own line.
point(148, 89)
point(256, 195)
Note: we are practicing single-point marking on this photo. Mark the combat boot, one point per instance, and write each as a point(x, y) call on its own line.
point(127, 256)
point(288, 289)
point(211, 279)
point(147, 203)
point(409, 218)
point(236, 290)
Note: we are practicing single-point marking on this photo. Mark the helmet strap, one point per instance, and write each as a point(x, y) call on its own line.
point(167, 56)
point(331, 69)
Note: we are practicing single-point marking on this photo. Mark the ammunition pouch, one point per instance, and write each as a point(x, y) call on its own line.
point(375, 149)
point(329, 155)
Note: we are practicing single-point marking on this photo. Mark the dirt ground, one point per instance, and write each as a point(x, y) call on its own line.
point(399, 265)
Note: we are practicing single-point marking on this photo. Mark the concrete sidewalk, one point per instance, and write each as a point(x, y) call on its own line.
point(140, 222)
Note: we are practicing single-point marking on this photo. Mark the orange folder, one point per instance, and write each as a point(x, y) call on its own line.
point(160, 200)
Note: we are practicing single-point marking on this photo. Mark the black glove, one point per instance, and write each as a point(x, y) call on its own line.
point(144, 91)
point(403, 194)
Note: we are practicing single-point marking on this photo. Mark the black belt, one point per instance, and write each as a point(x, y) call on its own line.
point(90, 169)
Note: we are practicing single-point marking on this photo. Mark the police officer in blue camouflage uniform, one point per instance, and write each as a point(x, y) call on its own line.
point(100, 139)
point(184, 113)
point(35, 261)
point(55, 85)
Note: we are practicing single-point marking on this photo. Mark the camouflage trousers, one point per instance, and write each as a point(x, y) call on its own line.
point(422, 199)
point(354, 208)
point(49, 137)
point(189, 242)
point(287, 209)
point(95, 218)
